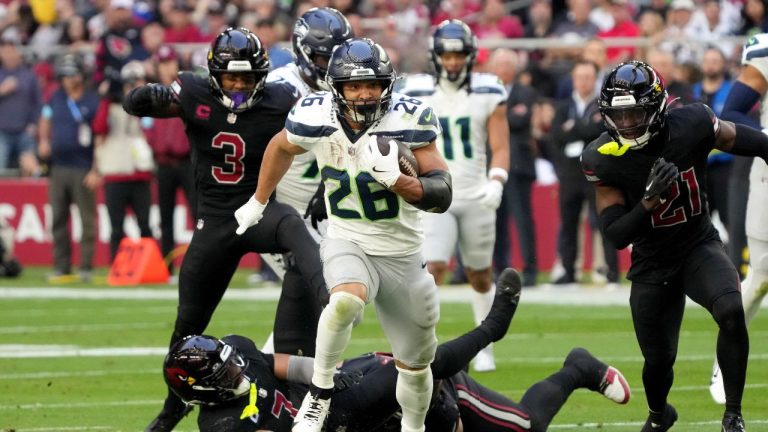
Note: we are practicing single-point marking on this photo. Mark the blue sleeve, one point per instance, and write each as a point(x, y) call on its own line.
point(739, 102)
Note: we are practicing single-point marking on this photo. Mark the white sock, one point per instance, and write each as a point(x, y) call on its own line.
point(269, 345)
point(414, 393)
point(333, 332)
point(481, 303)
point(753, 289)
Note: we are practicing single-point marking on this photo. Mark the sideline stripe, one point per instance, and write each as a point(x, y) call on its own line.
point(75, 374)
point(42, 351)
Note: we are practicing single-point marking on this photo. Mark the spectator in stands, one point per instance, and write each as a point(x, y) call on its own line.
point(713, 90)
point(152, 37)
point(658, 7)
point(124, 159)
point(652, 26)
point(458, 9)
point(755, 18)
point(66, 140)
point(216, 20)
point(664, 63)
point(120, 44)
point(20, 103)
point(623, 26)
point(179, 26)
point(170, 146)
point(78, 41)
point(601, 15)
point(594, 51)
point(577, 122)
point(516, 201)
point(576, 21)
point(494, 22)
point(708, 26)
point(678, 33)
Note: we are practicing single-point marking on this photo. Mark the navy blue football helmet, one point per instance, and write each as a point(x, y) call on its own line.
point(361, 60)
point(237, 51)
point(203, 370)
point(453, 36)
point(315, 34)
point(633, 103)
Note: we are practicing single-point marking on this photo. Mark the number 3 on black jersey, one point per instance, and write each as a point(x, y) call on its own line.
point(234, 152)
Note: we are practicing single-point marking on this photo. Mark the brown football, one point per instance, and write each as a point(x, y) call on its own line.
point(405, 158)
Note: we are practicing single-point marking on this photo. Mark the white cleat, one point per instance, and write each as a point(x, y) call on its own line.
point(484, 361)
point(314, 409)
point(614, 386)
point(716, 388)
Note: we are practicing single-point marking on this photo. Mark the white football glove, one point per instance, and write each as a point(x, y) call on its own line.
point(492, 192)
point(249, 214)
point(384, 169)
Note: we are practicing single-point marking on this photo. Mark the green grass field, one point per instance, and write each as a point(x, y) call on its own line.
point(56, 390)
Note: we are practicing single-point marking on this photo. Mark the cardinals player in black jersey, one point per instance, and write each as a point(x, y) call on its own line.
point(241, 389)
point(649, 171)
point(230, 116)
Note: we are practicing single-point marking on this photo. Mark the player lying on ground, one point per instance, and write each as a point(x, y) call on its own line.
point(242, 389)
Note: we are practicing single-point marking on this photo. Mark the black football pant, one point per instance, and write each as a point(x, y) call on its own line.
point(573, 193)
point(708, 277)
point(215, 252)
point(171, 177)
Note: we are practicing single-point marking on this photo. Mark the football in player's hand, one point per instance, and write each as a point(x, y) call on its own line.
point(405, 158)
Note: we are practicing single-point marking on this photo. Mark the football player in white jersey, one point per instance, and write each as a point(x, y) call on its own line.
point(472, 111)
point(373, 247)
point(315, 34)
point(750, 87)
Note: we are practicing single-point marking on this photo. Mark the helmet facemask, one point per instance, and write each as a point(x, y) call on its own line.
point(237, 52)
point(453, 36)
point(633, 104)
point(240, 100)
point(363, 111)
point(632, 125)
point(202, 370)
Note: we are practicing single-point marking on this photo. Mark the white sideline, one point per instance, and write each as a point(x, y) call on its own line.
point(544, 294)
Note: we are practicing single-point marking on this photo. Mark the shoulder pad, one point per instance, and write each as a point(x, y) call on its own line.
point(755, 48)
point(486, 83)
point(418, 85)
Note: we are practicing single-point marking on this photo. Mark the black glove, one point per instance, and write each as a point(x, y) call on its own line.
point(344, 380)
point(143, 99)
point(661, 177)
point(316, 207)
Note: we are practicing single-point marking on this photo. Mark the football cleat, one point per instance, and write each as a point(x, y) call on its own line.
point(314, 409)
point(599, 377)
point(733, 423)
point(484, 361)
point(168, 419)
point(662, 424)
point(716, 387)
point(614, 386)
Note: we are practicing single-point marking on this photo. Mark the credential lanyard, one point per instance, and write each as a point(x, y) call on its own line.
point(75, 110)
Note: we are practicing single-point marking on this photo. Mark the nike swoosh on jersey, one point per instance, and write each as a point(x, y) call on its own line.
point(375, 170)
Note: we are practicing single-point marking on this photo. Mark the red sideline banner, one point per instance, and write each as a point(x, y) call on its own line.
point(24, 205)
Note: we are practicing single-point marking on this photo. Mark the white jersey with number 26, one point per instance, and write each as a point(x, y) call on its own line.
point(361, 210)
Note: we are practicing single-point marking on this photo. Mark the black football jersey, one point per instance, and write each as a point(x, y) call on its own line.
point(278, 401)
point(227, 147)
point(682, 222)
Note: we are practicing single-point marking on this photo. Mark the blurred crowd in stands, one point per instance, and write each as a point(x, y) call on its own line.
point(111, 45)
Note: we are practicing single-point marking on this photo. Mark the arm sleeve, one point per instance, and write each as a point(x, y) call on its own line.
point(300, 369)
point(750, 142)
point(622, 227)
point(741, 99)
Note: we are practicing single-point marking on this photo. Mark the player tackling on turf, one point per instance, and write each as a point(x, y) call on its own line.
point(649, 173)
point(372, 250)
point(242, 389)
